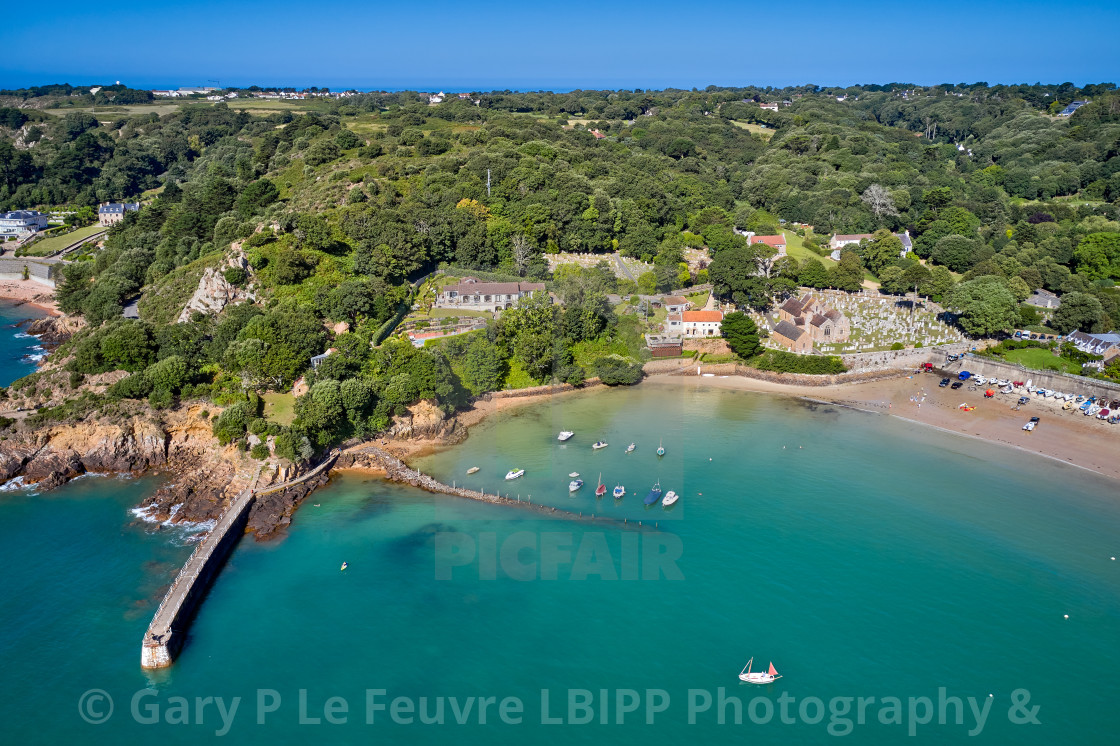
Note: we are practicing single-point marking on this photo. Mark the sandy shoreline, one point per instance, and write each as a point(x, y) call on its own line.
point(1064, 436)
point(1069, 437)
point(31, 293)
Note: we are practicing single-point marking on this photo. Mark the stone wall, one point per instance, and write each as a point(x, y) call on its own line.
point(793, 379)
point(552, 388)
point(903, 358)
point(1040, 379)
point(12, 269)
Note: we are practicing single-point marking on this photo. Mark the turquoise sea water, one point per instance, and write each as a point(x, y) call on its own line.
point(865, 556)
point(18, 351)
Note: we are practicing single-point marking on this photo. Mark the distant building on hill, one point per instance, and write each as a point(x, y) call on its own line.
point(840, 240)
point(1068, 111)
point(772, 106)
point(112, 213)
point(774, 242)
point(472, 295)
point(675, 304)
point(21, 223)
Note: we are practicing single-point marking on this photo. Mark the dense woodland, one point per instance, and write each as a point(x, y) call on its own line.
point(338, 209)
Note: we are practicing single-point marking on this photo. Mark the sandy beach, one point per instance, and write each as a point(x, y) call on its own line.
point(1067, 436)
point(30, 292)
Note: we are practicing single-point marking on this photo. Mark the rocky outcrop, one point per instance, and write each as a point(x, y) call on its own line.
point(214, 293)
point(54, 330)
point(425, 420)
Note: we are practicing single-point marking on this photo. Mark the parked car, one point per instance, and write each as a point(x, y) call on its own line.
point(956, 385)
point(944, 382)
point(1024, 400)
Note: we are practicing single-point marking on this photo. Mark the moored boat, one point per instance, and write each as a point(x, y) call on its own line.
point(630, 448)
point(344, 566)
point(574, 474)
point(654, 494)
point(600, 489)
point(515, 473)
point(660, 449)
point(574, 485)
point(758, 677)
point(619, 491)
point(598, 444)
point(670, 498)
point(472, 470)
point(564, 435)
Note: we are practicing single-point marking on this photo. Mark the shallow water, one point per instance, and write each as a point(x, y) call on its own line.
point(864, 555)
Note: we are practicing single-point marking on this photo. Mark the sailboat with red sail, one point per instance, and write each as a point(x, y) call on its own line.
point(758, 677)
point(602, 488)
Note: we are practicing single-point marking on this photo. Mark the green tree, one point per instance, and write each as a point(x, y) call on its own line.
point(614, 370)
point(985, 304)
point(741, 334)
point(1078, 311)
point(883, 249)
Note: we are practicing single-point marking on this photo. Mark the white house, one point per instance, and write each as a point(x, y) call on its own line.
point(694, 324)
point(472, 295)
point(21, 223)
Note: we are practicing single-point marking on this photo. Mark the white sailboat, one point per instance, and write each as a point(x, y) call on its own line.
point(564, 435)
point(597, 445)
point(630, 448)
point(660, 449)
point(758, 677)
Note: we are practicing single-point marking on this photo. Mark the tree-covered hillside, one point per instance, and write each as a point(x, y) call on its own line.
point(334, 212)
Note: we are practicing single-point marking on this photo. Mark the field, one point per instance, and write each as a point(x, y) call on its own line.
point(1037, 358)
point(48, 246)
point(279, 408)
point(795, 247)
point(764, 132)
point(159, 108)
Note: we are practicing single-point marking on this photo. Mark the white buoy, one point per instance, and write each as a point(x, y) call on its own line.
point(1067, 616)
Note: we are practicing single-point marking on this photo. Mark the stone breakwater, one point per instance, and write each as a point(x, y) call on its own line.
point(371, 457)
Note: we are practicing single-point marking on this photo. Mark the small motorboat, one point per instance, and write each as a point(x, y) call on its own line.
point(344, 566)
point(630, 448)
point(472, 470)
point(759, 677)
point(574, 474)
point(654, 494)
point(564, 435)
point(600, 489)
point(670, 498)
point(597, 445)
point(574, 485)
point(660, 449)
point(619, 491)
point(515, 473)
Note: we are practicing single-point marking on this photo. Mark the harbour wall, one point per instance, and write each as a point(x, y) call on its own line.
point(1040, 379)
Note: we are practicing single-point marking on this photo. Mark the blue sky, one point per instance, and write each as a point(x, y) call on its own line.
point(560, 45)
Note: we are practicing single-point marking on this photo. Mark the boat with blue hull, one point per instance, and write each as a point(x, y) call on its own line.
point(654, 494)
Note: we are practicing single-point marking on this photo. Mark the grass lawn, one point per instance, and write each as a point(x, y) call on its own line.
point(765, 132)
point(1037, 358)
point(795, 247)
point(48, 246)
point(279, 408)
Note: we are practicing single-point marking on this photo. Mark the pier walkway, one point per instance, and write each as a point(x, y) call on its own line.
point(164, 638)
